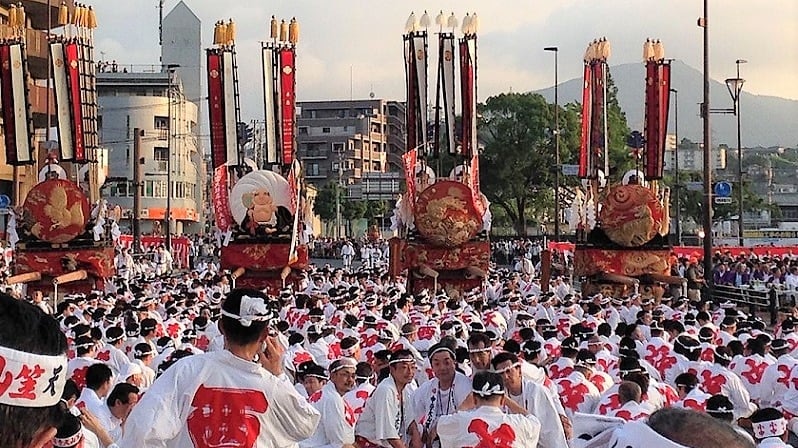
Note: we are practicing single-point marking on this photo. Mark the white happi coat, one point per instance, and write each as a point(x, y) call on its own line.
point(537, 401)
point(337, 425)
point(430, 402)
point(114, 358)
point(488, 426)
point(384, 417)
point(357, 397)
point(218, 398)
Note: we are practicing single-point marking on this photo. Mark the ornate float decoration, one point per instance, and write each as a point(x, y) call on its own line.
point(258, 203)
point(63, 232)
point(622, 228)
point(443, 222)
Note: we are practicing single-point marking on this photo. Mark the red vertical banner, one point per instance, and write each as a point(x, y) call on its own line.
point(72, 53)
point(9, 125)
point(664, 111)
point(584, 149)
point(288, 102)
point(476, 197)
point(216, 109)
point(597, 119)
point(652, 121)
point(221, 198)
point(409, 160)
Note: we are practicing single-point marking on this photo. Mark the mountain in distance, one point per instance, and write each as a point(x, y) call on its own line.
point(765, 120)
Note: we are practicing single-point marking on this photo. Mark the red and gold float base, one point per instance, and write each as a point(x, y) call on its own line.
point(631, 263)
point(263, 264)
point(450, 263)
point(97, 261)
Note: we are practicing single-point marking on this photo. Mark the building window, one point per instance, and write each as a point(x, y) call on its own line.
point(338, 147)
point(160, 153)
point(325, 130)
point(303, 130)
point(313, 169)
point(122, 189)
point(335, 166)
point(161, 122)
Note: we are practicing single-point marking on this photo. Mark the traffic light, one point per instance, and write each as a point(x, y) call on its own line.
point(244, 132)
point(635, 140)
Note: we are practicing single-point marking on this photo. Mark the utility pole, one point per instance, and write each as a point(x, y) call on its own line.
point(138, 163)
point(705, 107)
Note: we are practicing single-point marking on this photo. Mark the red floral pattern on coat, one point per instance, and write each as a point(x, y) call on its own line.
point(501, 437)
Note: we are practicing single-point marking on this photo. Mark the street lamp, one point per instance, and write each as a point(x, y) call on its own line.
point(557, 167)
point(170, 69)
point(735, 86)
point(676, 162)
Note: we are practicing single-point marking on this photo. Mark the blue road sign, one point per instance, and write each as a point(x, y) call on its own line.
point(723, 189)
point(5, 201)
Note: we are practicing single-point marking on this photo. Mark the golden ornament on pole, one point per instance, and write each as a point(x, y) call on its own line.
point(63, 15)
point(293, 31)
point(274, 27)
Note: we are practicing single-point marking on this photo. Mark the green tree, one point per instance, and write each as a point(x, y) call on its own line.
point(352, 210)
point(518, 162)
point(324, 205)
point(375, 209)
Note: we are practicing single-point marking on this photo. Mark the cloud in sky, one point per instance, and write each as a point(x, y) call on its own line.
point(363, 39)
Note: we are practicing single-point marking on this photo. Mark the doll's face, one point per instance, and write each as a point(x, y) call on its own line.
point(261, 197)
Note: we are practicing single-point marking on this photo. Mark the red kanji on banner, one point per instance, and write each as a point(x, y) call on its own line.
point(691, 403)
point(104, 355)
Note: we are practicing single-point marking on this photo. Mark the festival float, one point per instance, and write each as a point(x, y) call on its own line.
point(622, 228)
point(443, 222)
point(63, 233)
point(257, 201)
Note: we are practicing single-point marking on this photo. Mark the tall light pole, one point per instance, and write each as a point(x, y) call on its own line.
point(170, 70)
point(735, 86)
point(707, 218)
point(676, 163)
point(557, 167)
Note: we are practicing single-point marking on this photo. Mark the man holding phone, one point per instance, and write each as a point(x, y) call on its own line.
point(238, 394)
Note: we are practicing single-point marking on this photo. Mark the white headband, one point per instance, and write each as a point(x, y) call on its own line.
point(69, 441)
point(508, 368)
point(488, 390)
point(35, 381)
point(772, 428)
point(344, 364)
point(480, 350)
point(252, 309)
point(349, 352)
point(403, 359)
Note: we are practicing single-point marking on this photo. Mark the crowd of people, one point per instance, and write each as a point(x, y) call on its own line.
point(352, 358)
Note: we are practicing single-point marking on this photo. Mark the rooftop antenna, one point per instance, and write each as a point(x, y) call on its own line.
point(160, 22)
